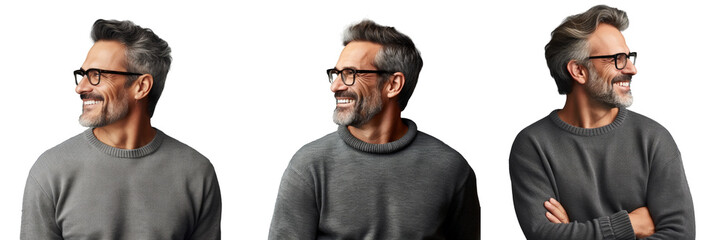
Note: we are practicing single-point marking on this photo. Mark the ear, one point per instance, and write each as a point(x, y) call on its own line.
point(578, 72)
point(395, 84)
point(142, 86)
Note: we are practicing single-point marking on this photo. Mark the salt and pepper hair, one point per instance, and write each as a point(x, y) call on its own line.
point(569, 41)
point(145, 53)
point(397, 54)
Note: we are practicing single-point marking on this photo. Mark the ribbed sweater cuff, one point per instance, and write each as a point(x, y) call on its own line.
point(617, 227)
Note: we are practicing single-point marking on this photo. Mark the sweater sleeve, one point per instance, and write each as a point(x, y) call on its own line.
point(38, 213)
point(533, 185)
point(208, 222)
point(464, 219)
point(669, 200)
point(296, 212)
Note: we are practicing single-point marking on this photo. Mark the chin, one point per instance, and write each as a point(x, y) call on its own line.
point(624, 101)
point(342, 118)
point(90, 122)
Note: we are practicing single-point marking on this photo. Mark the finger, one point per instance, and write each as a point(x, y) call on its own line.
point(559, 206)
point(553, 209)
point(552, 218)
point(550, 207)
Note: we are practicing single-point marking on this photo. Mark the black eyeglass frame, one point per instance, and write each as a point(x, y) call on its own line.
point(330, 72)
point(84, 74)
point(616, 56)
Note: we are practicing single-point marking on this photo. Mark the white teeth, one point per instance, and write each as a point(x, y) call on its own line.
point(624, 84)
point(342, 101)
point(90, 102)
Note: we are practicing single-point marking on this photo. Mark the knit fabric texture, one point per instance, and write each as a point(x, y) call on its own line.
point(339, 187)
point(599, 175)
point(85, 189)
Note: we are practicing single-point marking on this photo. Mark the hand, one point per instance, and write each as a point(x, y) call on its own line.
point(556, 213)
point(642, 223)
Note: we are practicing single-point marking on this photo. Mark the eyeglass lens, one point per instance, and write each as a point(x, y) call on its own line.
point(92, 75)
point(622, 59)
point(346, 75)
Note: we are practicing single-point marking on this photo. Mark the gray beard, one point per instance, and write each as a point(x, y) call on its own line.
point(600, 91)
point(113, 114)
point(360, 114)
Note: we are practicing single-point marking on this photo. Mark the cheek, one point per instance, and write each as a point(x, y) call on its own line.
point(364, 90)
point(111, 92)
point(609, 73)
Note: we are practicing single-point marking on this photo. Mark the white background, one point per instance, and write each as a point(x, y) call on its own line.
point(247, 87)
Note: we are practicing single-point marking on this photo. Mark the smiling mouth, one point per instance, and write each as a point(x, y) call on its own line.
point(343, 101)
point(622, 84)
point(91, 102)
point(91, 99)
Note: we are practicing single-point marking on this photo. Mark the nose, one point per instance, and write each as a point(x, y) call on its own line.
point(630, 68)
point(83, 86)
point(338, 85)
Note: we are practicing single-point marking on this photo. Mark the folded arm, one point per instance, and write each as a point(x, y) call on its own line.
point(532, 183)
point(640, 218)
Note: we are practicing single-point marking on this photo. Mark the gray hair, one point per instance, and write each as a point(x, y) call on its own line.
point(145, 53)
point(569, 41)
point(397, 54)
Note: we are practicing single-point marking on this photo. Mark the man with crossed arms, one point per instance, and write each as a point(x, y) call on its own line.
point(594, 169)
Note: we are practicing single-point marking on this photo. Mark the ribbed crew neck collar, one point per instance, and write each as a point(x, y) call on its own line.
point(390, 147)
point(622, 113)
point(125, 153)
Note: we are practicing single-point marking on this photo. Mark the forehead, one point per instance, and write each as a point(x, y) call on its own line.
point(358, 55)
point(107, 55)
point(607, 40)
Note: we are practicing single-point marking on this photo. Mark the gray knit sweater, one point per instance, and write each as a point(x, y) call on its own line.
point(599, 175)
point(84, 189)
point(339, 187)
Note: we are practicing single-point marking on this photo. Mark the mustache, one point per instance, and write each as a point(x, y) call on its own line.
point(92, 96)
point(622, 78)
point(346, 94)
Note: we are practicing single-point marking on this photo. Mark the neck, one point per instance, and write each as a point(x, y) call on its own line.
point(131, 132)
point(583, 111)
point(384, 127)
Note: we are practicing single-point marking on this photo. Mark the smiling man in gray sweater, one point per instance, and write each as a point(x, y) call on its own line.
point(594, 169)
point(377, 176)
point(121, 178)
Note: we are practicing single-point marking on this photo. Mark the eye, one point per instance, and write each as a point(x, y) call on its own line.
point(93, 73)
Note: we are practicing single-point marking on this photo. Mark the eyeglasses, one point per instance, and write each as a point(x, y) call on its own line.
point(348, 74)
point(620, 59)
point(95, 74)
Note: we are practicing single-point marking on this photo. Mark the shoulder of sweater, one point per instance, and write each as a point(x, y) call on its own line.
point(318, 147)
point(324, 142)
point(656, 135)
point(638, 120)
point(427, 141)
point(658, 138)
point(57, 152)
point(70, 143)
point(443, 155)
point(183, 151)
point(539, 128)
point(177, 145)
